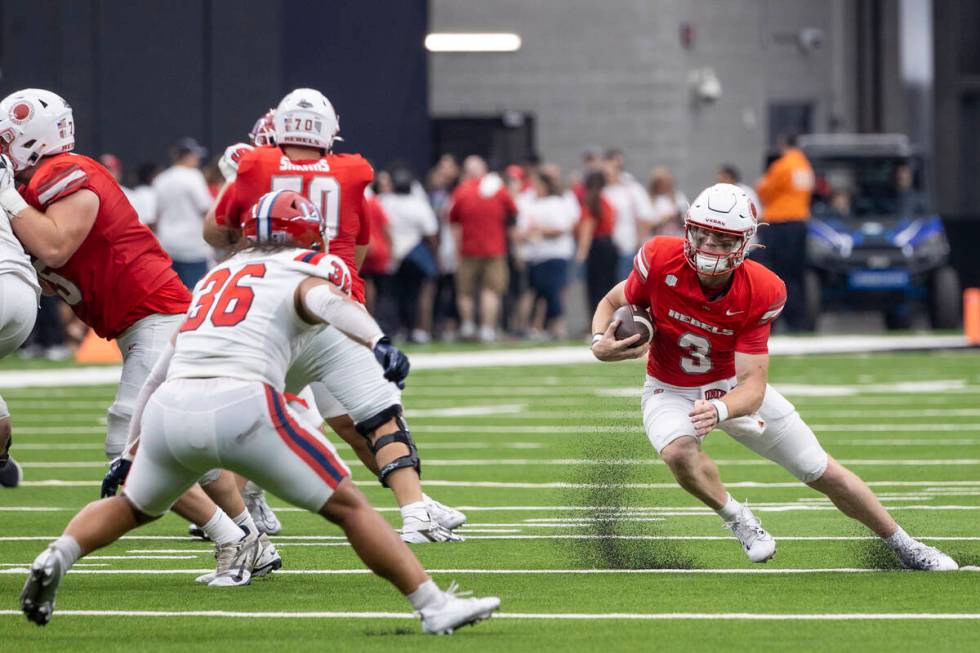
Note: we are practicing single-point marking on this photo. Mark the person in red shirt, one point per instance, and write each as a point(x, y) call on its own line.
point(360, 401)
point(595, 246)
point(482, 210)
point(90, 248)
point(708, 367)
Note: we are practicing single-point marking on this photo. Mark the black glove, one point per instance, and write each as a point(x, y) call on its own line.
point(116, 476)
point(393, 360)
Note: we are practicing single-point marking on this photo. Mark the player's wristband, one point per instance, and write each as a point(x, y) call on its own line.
point(12, 202)
point(722, 408)
point(596, 337)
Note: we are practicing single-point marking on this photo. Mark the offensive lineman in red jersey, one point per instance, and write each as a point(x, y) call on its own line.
point(91, 249)
point(354, 398)
point(89, 245)
point(708, 367)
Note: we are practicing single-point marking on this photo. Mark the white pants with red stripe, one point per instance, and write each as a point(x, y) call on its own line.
point(193, 425)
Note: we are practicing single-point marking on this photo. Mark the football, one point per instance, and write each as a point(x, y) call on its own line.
point(633, 320)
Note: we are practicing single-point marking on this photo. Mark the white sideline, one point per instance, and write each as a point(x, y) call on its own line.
point(324, 540)
point(778, 345)
point(585, 616)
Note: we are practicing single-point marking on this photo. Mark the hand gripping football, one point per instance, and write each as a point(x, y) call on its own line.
point(633, 320)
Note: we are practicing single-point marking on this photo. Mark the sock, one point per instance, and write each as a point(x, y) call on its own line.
point(898, 540)
point(221, 529)
point(68, 548)
point(244, 522)
point(428, 595)
point(415, 511)
point(730, 510)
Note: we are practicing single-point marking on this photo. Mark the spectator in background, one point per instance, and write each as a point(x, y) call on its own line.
point(785, 191)
point(377, 260)
point(669, 204)
point(481, 214)
point(909, 201)
point(414, 231)
point(728, 174)
point(143, 197)
point(183, 199)
point(632, 211)
point(544, 226)
point(595, 245)
point(442, 181)
point(591, 162)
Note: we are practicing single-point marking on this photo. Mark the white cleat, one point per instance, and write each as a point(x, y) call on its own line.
point(235, 562)
point(447, 517)
point(424, 532)
point(457, 611)
point(759, 545)
point(267, 560)
point(265, 520)
point(920, 557)
point(37, 597)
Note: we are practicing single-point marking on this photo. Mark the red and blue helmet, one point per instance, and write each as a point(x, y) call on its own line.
point(286, 218)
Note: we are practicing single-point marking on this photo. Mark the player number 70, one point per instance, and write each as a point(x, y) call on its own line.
point(324, 192)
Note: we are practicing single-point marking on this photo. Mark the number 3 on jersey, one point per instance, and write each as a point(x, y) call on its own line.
point(232, 304)
point(324, 192)
point(699, 350)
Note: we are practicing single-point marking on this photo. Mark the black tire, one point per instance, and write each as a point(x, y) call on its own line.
point(944, 299)
point(811, 292)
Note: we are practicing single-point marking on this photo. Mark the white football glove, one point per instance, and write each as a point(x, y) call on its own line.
point(10, 199)
point(228, 164)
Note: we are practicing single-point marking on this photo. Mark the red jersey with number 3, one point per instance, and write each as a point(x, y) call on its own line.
point(119, 274)
point(334, 183)
point(696, 336)
point(243, 323)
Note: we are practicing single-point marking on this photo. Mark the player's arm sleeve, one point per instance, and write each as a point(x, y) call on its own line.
point(754, 337)
point(364, 226)
point(327, 305)
point(61, 181)
point(226, 211)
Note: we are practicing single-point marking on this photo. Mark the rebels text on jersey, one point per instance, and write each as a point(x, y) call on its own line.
point(334, 183)
point(119, 274)
point(696, 338)
point(243, 323)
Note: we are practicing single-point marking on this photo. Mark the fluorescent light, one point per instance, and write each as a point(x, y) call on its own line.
point(472, 42)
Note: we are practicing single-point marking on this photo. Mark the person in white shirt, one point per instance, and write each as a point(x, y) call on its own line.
point(414, 229)
point(545, 222)
point(143, 197)
point(669, 204)
point(183, 199)
point(632, 210)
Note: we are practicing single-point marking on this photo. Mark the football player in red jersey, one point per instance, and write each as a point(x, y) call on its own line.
point(356, 399)
point(90, 248)
point(708, 367)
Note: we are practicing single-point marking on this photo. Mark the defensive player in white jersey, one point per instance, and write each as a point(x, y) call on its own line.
point(215, 399)
point(353, 394)
point(19, 292)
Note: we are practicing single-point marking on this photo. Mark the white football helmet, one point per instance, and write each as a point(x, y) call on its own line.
point(727, 212)
point(35, 123)
point(306, 118)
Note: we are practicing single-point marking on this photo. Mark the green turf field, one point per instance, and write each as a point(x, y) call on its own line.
point(572, 522)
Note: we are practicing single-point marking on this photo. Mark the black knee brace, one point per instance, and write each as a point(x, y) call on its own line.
point(402, 435)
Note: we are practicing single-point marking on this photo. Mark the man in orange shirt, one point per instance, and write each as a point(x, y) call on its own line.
point(785, 192)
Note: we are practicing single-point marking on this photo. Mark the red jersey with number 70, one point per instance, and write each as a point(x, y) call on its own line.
point(696, 336)
point(119, 274)
point(334, 183)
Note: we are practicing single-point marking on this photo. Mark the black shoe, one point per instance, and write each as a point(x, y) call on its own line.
point(11, 474)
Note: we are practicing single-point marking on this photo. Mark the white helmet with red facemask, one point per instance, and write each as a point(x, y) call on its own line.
point(264, 131)
point(726, 215)
point(35, 123)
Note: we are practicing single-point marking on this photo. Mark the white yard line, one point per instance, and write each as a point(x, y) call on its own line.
point(564, 462)
point(320, 540)
point(570, 616)
point(488, 572)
